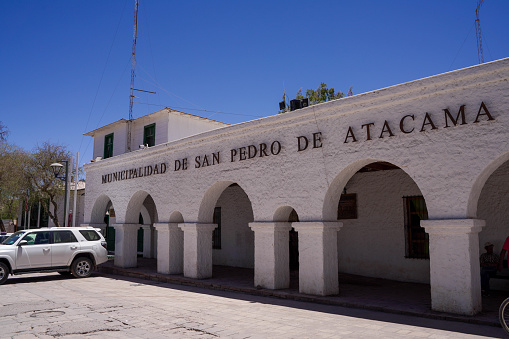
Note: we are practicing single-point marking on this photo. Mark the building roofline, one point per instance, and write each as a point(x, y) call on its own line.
point(166, 110)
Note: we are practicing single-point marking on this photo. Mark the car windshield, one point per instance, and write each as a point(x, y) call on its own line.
point(13, 238)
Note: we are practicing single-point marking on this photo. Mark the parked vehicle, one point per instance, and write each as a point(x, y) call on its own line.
point(74, 250)
point(4, 236)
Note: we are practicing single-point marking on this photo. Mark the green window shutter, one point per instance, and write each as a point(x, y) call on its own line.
point(149, 135)
point(108, 146)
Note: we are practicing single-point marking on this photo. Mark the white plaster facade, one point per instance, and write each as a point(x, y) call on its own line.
point(459, 166)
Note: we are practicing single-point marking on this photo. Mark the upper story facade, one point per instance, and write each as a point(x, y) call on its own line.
point(153, 129)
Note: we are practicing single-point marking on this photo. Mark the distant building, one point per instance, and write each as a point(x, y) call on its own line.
point(404, 183)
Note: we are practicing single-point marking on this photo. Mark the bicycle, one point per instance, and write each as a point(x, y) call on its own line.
point(503, 315)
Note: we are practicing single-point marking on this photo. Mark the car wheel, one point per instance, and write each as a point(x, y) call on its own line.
point(82, 267)
point(4, 272)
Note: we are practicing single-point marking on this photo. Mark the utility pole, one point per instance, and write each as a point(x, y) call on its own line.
point(478, 32)
point(133, 64)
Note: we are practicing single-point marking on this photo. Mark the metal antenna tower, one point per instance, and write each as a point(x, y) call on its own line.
point(133, 64)
point(478, 32)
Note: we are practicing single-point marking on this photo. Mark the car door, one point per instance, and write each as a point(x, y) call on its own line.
point(36, 253)
point(63, 248)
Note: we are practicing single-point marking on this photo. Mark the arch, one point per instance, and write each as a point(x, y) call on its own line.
point(206, 211)
point(479, 182)
point(145, 215)
point(176, 217)
point(282, 213)
point(337, 185)
point(137, 204)
point(99, 210)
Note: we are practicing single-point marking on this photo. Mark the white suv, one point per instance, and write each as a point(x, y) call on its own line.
point(67, 250)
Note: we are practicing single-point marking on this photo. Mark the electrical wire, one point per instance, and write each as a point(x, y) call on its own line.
point(202, 110)
point(103, 72)
point(109, 101)
point(468, 35)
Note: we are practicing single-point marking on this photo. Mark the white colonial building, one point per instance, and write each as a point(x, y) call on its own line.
point(403, 183)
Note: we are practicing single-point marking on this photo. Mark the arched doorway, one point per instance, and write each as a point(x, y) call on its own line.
point(233, 240)
point(493, 208)
point(380, 207)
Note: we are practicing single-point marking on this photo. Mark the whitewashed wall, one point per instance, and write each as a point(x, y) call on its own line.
point(448, 165)
point(237, 239)
point(494, 208)
point(119, 131)
point(374, 244)
point(183, 125)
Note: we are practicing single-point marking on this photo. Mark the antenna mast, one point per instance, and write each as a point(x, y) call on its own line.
point(478, 32)
point(133, 64)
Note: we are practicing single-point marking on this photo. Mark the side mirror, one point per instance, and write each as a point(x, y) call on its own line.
point(22, 242)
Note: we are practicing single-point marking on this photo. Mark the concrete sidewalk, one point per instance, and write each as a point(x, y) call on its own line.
point(355, 291)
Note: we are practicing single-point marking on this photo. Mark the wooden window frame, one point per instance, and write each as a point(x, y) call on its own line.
point(152, 141)
point(416, 238)
point(347, 206)
point(108, 152)
point(216, 234)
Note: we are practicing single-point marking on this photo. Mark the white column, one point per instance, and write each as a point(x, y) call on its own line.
point(318, 257)
point(197, 250)
point(126, 238)
point(170, 248)
point(454, 265)
point(272, 259)
point(147, 241)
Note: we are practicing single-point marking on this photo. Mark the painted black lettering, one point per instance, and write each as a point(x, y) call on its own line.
point(317, 140)
point(448, 116)
point(427, 118)
point(350, 134)
point(215, 158)
point(402, 123)
point(275, 147)
point(486, 112)
point(302, 143)
point(386, 129)
point(263, 150)
point(368, 135)
point(242, 153)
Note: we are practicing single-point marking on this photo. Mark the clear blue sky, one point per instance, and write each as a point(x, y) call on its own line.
point(65, 65)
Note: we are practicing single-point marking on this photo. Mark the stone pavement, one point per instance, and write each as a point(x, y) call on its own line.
point(355, 291)
point(49, 306)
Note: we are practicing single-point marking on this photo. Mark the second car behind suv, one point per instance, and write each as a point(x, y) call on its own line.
point(74, 250)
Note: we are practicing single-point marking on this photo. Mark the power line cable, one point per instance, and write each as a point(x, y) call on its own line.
point(202, 110)
point(468, 35)
point(109, 101)
point(102, 75)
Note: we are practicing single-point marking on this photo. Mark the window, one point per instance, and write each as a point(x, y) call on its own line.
point(108, 146)
point(90, 235)
point(149, 135)
point(417, 240)
point(37, 238)
point(347, 206)
point(216, 235)
point(61, 237)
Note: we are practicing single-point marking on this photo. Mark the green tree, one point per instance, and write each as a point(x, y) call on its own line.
point(322, 94)
point(41, 176)
point(319, 95)
point(13, 180)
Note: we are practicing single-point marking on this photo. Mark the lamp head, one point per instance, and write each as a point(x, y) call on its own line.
point(57, 168)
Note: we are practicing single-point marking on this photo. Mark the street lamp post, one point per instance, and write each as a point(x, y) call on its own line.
point(57, 171)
